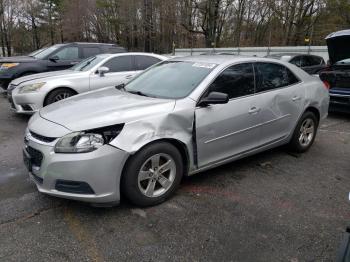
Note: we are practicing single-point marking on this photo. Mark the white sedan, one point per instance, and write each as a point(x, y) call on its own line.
point(30, 93)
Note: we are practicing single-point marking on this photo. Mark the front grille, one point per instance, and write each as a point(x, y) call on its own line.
point(45, 139)
point(36, 157)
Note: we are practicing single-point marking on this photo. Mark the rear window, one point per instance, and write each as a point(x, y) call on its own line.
point(90, 51)
point(271, 76)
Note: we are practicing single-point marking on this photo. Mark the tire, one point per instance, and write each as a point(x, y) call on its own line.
point(57, 95)
point(304, 133)
point(137, 186)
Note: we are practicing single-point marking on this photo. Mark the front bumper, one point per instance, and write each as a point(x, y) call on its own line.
point(27, 103)
point(101, 170)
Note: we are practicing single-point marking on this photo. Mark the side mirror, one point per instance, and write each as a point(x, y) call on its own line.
point(54, 58)
point(102, 70)
point(214, 98)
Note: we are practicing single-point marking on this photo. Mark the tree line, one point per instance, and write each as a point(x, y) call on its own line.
point(160, 25)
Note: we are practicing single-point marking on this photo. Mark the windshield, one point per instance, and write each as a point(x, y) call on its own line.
point(343, 62)
point(170, 79)
point(36, 52)
point(46, 52)
point(87, 64)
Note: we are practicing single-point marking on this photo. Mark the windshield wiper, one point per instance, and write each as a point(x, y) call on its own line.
point(138, 93)
point(120, 87)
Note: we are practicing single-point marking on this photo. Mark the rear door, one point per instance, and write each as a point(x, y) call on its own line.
point(142, 62)
point(121, 70)
point(225, 130)
point(281, 97)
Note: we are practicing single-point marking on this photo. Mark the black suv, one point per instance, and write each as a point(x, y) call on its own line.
point(337, 75)
point(53, 58)
point(311, 64)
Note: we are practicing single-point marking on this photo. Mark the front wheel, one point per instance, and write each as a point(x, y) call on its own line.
point(58, 94)
point(304, 133)
point(152, 174)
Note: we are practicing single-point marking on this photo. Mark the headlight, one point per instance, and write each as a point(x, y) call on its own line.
point(8, 65)
point(31, 88)
point(87, 141)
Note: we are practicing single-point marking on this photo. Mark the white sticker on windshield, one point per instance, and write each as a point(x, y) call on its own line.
point(204, 65)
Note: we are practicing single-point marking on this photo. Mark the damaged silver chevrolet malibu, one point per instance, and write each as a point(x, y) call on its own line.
point(179, 117)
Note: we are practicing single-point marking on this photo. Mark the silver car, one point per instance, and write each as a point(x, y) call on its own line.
point(179, 117)
point(30, 93)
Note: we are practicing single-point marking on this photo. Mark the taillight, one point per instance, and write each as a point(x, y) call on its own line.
point(326, 84)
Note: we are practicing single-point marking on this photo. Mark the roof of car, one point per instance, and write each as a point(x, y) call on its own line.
point(216, 59)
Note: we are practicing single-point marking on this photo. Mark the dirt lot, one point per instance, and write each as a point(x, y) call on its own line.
point(273, 206)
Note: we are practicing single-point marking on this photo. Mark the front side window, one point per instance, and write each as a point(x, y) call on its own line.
point(143, 62)
point(235, 81)
point(270, 76)
point(170, 79)
point(68, 53)
point(120, 64)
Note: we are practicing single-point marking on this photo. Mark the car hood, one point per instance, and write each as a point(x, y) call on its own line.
point(46, 76)
point(338, 46)
point(104, 107)
point(17, 59)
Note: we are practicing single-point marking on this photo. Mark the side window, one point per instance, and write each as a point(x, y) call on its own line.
point(305, 61)
point(120, 64)
point(68, 53)
point(142, 62)
point(113, 50)
point(236, 81)
point(315, 60)
point(270, 76)
point(90, 51)
point(296, 61)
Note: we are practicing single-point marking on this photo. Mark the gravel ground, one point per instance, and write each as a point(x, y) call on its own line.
point(274, 206)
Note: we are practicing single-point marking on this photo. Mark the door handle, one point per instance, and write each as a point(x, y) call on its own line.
point(129, 76)
point(254, 110)
point(74, 63)
point(296, 98)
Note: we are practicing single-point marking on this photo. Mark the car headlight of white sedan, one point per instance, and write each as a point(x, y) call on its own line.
point(87, 141)
point(31, 87)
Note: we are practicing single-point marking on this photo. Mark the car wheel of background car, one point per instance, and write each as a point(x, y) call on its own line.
point(304, 133)
point(152, 174)
point(57, 95)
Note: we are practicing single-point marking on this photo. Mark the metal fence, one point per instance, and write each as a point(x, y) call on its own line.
point(258, 51)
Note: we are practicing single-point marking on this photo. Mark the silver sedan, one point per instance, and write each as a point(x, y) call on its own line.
point(29, 93)
point(179, 117)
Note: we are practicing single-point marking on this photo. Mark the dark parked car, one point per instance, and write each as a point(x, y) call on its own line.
point(337, 75)
point(53, 58)
point(312, 64)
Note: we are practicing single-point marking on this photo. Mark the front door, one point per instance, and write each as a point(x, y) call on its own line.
point(64, 58)
point(121, 71)
point(226, 130)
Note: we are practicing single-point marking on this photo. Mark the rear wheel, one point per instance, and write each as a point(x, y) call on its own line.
point(152, 174)
point(304, 133)
point(58, 94)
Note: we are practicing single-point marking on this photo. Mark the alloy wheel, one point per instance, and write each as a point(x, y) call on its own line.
point(157, 175)
point(306, 132)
